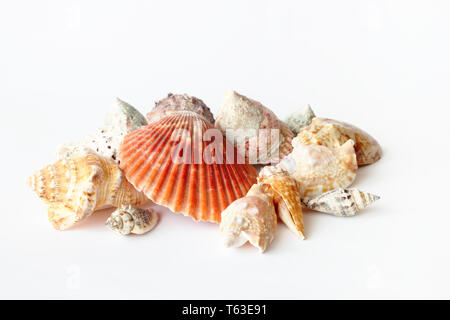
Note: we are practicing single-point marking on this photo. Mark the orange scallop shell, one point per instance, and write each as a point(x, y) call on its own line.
point(194, 187)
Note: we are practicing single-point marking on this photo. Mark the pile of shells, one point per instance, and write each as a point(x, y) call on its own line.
point(182, 158)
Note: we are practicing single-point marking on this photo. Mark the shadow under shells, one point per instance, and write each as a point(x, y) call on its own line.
point(182, 162)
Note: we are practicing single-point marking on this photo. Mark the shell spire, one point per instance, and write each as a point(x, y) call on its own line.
point(182, 162)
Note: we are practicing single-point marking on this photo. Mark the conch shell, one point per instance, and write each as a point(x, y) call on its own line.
point(256, 130)
point(319, 169)
point(251, 218)
point(299, 119)
point(333, 134)
point(341, 202)
point(175, 165)
point(286, 195)
point(121, 119)
point(74, 188)
point(131, 219)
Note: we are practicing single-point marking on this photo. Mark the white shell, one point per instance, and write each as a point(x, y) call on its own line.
point(251, 218)
point(341, 202)
point(121, 119)
point(131, 219)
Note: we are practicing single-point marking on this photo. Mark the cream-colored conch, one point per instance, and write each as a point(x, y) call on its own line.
point(319, 169)
point(333, 134)
point(251, 218)
point(74, 188)
point(286, 196)
point(131, 219)
point(341, 202)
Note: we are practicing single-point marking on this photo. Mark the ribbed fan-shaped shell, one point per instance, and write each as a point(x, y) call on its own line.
point(199, 189)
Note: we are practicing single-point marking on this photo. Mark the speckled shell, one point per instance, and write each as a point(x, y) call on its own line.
point(196, 187)
point(300, 119)
point(176, 103)
point(286, 195)
point(319, 169)
point(131, 219)
point(332, 134)
point(121, 119)
point(74, 188)
point(251, 218)
point(341, 202)
point(247, 122)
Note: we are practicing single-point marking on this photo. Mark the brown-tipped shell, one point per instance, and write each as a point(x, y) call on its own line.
point(74, 188)
point(333, 134)
point(286, 195)
point(131, 219)
point(175, 167)
point(341, 202)
point(251, 218)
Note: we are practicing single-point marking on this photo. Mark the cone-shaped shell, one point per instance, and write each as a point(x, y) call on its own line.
point(263, 137)
point(319, 169)
point(286, 196)
point(251, 218)
point(75, 187)
point(175, 167)
point(122, 118)
point(333, 134)
point(341, 202)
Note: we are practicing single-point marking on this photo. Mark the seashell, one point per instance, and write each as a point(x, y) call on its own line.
point(121, 119)
point(174, 164)
point(131, 219)
point(319, 169)
point(286, 195)
point(74, 188)
point(341, 202)
point(256, 130)
point(176, 103)
point(332, 134)
point(300, 119)
point(251, 218)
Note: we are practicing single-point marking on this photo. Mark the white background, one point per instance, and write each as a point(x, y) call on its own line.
point(381, 65)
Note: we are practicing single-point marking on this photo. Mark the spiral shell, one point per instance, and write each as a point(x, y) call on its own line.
point(341, 202)
point(131, 219)
point(74, 188)
point(251, 218)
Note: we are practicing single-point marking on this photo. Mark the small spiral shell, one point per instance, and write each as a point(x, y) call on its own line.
point(130, 219)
